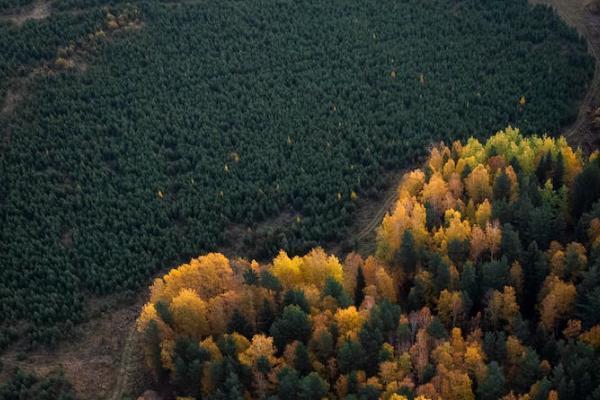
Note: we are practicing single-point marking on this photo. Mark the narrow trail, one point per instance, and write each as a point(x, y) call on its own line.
point(590, 32)
point(39, 10)
point(386, 206)
point(126, 365)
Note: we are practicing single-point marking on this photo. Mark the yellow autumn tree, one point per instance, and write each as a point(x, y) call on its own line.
point(208, 276)
point(189, 314)
point(478, 184)
point(450, 307)
point(558, 300)
point(261, 346)
point(349, 321)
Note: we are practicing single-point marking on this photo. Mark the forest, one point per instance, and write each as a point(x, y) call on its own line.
point(142, 145)
point(484, 285)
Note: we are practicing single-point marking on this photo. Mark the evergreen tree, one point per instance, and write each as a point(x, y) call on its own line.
point(493, 385)
point(294, 324)
point(559, 172)
point(407, 255)
point(502, 187)
point(351, 357)
point(288, 384)
point(359, 294)
point(296, 297)
point(335, 289)
point(301, 359)
point(238, 323)
point(265, 316)
point(510, 244)
point(313, 387)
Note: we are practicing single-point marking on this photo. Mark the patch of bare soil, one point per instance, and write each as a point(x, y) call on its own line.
point(39, 10)
point(94, 361)
point(584, 15)
point(11, 100)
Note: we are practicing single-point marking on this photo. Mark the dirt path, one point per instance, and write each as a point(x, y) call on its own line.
point(39, 10)
point(102, 361)
point(383, 207)
point(126, 366)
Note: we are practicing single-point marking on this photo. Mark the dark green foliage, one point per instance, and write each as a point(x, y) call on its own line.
point(492, 386)
point(302, 360)
point(228, 375)
point(240, 324)
point(313, 387)
point(227, 84)
point(436, 329)
point(501, 187)
point(359, 294)
point(535, 269)
point(294, 324)
point(296, 297)
point(371, 338)
point(528, 371)
point(23, 386)
point(265, 317)
point(510, 244)
point(558, 174)
point(335, 289)
point(441, 271)
point(468, 281)
point(579, 365)
point(544, 169)
point(164, 312)
point(188, 359)
point(289, 381)
point(494, 275)
point(586, 189)
point(270, 281)
point(352, 357)
point(250, 277)
point(458, 250)
point(407, 256)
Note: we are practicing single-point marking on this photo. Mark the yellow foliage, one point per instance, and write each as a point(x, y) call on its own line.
point(434, 192)
point(475, 361)
point(287, 269)
point(148, 314)
point(208, 276)
point(386, 287)
point(189, 314)
point(407, 214)
point(412, 183)
point(573, 328)
point(483, 213)
point(592, 337)
point(594, 232)
point(312, 269)
point(210, 345)
point(478, 184)
point(349, 320)
point(261, 346)
point(558, 300)
point(450, 307)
